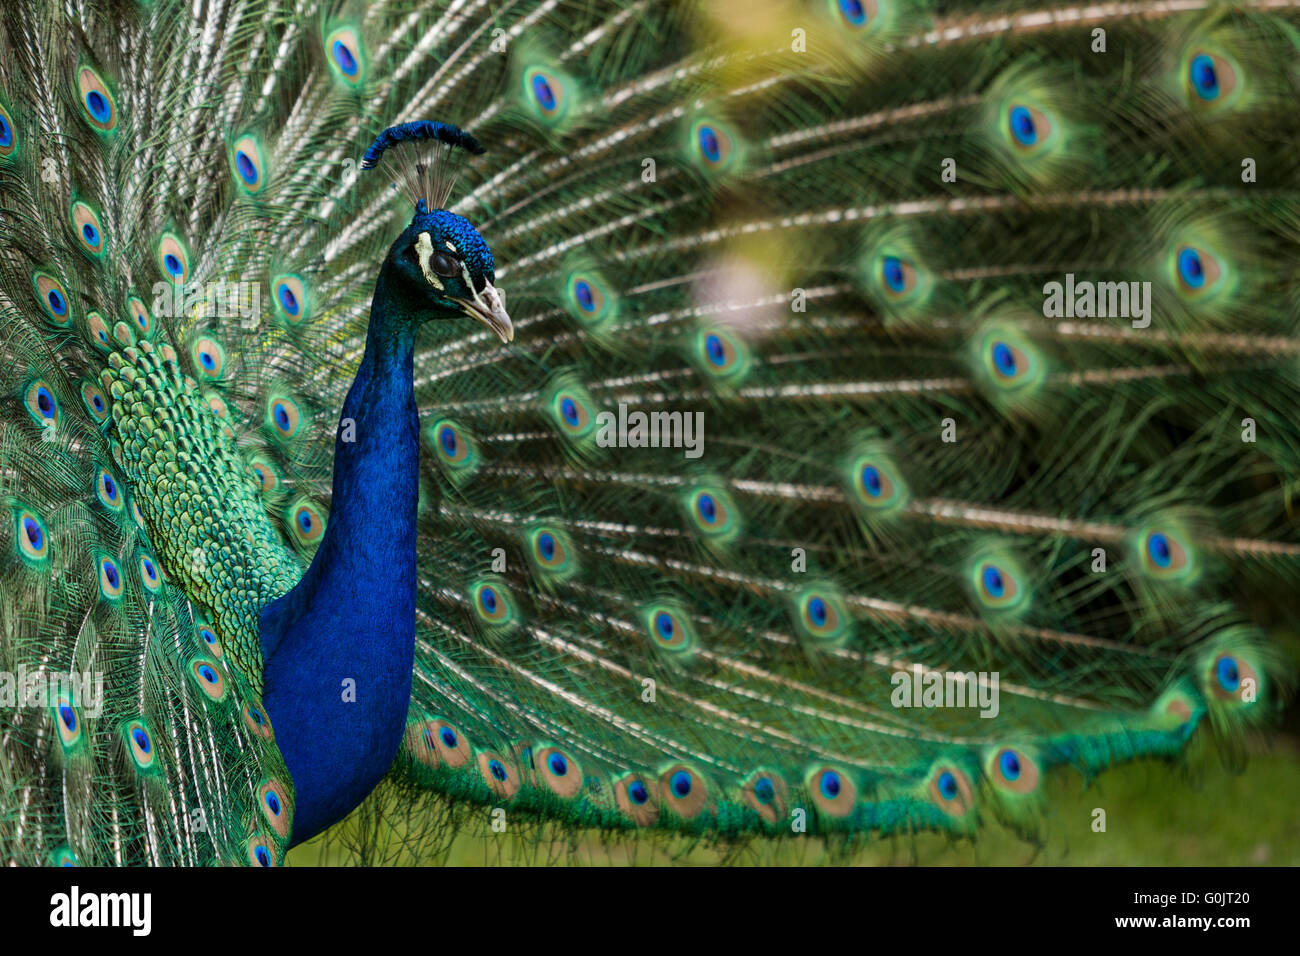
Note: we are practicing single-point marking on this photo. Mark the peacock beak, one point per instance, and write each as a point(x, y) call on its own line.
point(489, 307)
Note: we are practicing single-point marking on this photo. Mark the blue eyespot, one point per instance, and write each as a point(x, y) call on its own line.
point(853, 11)
point(207, 361)
point(1158, 549)
point(344, 58)
point(44, 401)
point(947, 785)
point(110, 574)
point(141, 740)
point(1004, 359)
point(57, 302)
point(288, 299)
point(871, 481)
point(585, 299)
point(281, 416)
point(497, 769)
point(681, 783)
point(34, 533)
point(709, 145)
point(207, 635)
point(993, 582)
point(68, 716)
point(1228, 674)
point(448, 439)
point(208, 674)
point(1009, 764)
point(304, 520)
point(637, 792)
point(1205, 79)
point(569, 409)
point(542, 90)
point(664, 625)
point(707, 508)
point(272, 802)
point(817, 611)
point(449, 737)
point(1190, 267)
point(98, 106)
point(716, 351)
point(557, 764)
point(830, 785)
point(247, 171)
point(149, 570)
point(764, 790)
point(1022, 126)
point(892, 270)
point(489, 599)
point(256, 715)
point(172, 264)
point(263, 856)
point(6, 133)
point(110, 487)
point(546, 544)
point(90, 233)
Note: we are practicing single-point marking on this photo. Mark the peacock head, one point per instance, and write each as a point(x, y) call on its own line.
point(442, 267)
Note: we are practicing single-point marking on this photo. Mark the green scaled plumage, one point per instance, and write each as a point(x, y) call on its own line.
point(869, 465)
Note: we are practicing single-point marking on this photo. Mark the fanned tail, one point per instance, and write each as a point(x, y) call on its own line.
point(811, 249)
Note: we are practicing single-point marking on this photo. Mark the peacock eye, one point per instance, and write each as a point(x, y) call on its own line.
point(444, 265)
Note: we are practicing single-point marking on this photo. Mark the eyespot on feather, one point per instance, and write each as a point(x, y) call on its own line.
point(557, 771)
point(247, 164)
point(306, 522)
point(950, 790)
point(274, 804)
point(290, 297)
point(67, 720)
point(833, 791)
point(97, 329)
point(88, 228)
point(110, 578)
point(209, 358)
point(95, 399)
point(52, 296)
point(261, 851)
point(499, 774)
point(257, 721)
point(346, 57)
point(140, 744)
point(32, 537)
point(209, 678)
point(635, 796)
point(98, 105)
point(8, 134)
point(683, 791)
point(283, 416)
point(766, 792)
point(1012, 769)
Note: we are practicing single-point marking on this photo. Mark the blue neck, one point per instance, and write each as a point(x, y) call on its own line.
point(338, 648)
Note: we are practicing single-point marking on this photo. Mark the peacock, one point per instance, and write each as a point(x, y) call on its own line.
point(755, 420)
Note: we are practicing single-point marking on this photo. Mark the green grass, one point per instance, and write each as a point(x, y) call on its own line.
point(1200, 813)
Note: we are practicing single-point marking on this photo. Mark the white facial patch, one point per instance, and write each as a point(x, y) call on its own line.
point(424, 251)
